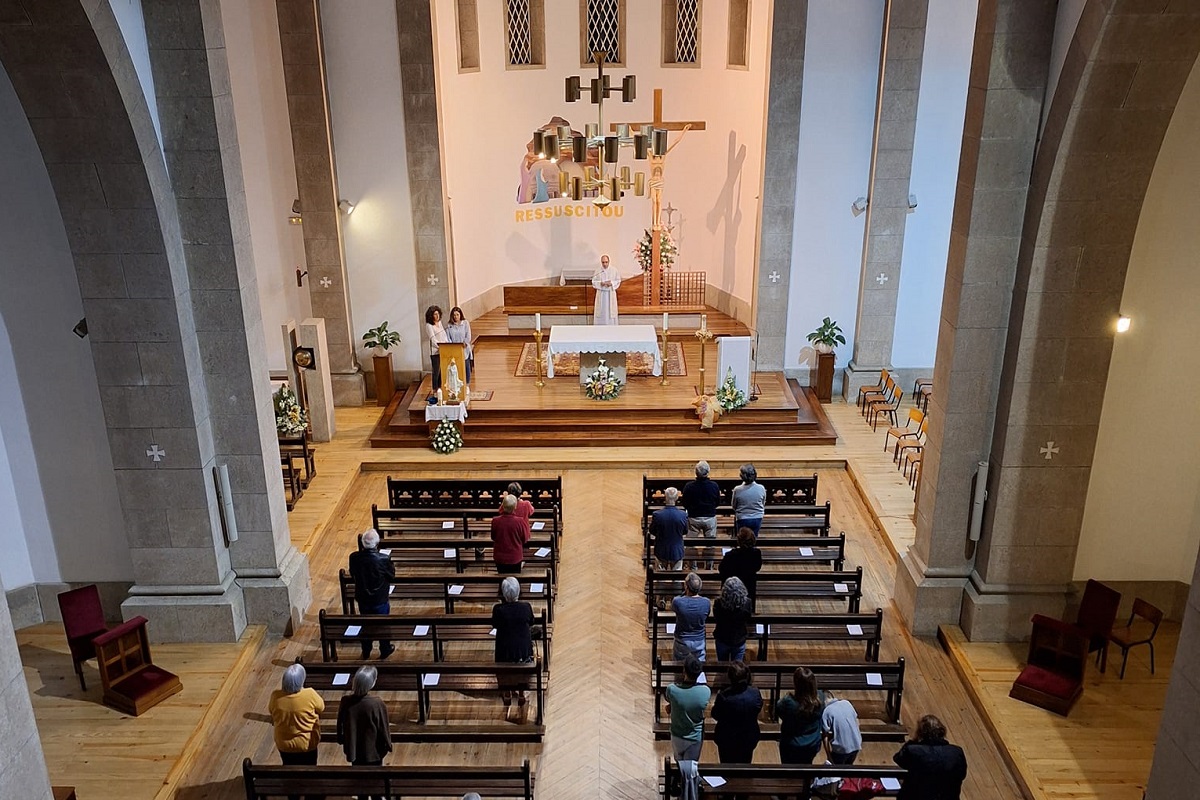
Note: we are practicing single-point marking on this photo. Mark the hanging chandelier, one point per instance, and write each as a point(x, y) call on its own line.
point(602, 185)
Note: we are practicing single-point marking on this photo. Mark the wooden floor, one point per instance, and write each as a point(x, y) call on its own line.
point(598, 741)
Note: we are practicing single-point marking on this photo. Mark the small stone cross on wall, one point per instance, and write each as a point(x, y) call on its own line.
point(156, 452)
point(881, 279)
point(326, 282)
point(1049, 451)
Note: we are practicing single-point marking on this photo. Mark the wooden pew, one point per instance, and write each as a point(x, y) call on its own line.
point(481, 494)
point(785, 550)
point(392, 523)
point(476, 589)
point(798, 491)
point(879, 722)
point(272, 781)
point(401, 630)
point(771, 779)
point(815, 585)
point(797, 520)
point(785, 628)
point(445, 552)
point(468, 678)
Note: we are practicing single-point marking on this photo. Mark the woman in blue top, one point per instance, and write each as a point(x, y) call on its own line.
point(458, 331)
point(691, 614)
point(799, 715)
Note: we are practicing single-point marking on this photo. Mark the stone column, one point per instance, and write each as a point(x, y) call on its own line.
point(887, 210)
point(1004, 102)
point(23, 768)
point(419, 93)
point(191, 79)
point(318, 389)
point(789, 23)
point(316, 181)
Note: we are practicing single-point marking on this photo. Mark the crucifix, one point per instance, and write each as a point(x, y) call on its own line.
point(658, 163)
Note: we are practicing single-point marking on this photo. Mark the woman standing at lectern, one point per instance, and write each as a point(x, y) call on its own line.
point(437, 335)
point(458, 331)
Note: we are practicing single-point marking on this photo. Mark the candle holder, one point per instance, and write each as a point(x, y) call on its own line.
point(663, 381)
point(537, 335)
point(705, 336)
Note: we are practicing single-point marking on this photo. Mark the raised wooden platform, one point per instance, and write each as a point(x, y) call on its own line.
point(646, 413)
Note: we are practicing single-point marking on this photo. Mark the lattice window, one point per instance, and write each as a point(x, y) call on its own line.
point(681, 32)
point(739, 34)
point(468, 35)
point(602, 31)
point(525, 33)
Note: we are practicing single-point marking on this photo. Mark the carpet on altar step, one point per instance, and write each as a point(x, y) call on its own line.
point(636, 364)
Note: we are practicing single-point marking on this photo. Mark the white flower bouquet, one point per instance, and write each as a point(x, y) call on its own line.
point(446, 437)
point(643, 251)
point(729, 395)
point(290, 418)
point(603, 383)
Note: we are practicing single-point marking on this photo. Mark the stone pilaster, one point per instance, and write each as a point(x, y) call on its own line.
point(789, 23)
point(887, 212)
point(23, 769)
point(1004, 101)
point(316, 182)
point(191, 79)
point(421, 133)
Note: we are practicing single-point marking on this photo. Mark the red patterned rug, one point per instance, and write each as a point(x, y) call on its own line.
point(636, 364)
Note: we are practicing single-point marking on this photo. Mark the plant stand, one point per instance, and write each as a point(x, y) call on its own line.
point(824, 383)
point(385, 383)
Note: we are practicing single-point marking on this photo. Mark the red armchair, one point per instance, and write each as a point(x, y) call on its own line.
point(1097, 614)
point(83, 620)
point(1053, 676)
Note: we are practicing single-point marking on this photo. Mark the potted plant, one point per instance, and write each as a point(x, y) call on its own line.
point(380, 340)
point(827, 336)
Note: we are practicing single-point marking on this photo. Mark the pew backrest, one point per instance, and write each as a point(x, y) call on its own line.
point(470, 493)
point(450, 590)
point(773, 779)
point(770, 585)
point(767, 628)
point(795, 491)
point(264, 781)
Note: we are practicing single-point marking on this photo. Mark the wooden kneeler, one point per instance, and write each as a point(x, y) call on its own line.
point(132, 683)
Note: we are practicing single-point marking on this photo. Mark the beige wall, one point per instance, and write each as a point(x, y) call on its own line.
point(1142, 519)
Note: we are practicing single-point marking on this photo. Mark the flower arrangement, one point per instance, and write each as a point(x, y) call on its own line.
point(290, 418)
point(729, 395)
point(603, 383)
point(643, 251)
point(446, 437)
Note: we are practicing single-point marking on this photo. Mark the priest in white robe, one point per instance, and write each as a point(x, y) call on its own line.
point(605, 281)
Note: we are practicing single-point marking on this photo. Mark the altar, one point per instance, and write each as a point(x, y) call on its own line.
point(603, 339)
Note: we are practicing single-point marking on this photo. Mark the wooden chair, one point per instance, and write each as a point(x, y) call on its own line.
point(1137, 631)
point(904, 446)
point(920, 382)
point(888, 404)
point(1053, 676)
point(303, 448)
point(291, 478)
point(132, 682)
point(912, 464)
point(865, 392)
point(1097, 613)
point(922, 398)
point(83, 619)
point(907, 432)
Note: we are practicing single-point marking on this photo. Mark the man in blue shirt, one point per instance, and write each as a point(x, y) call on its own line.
point(668, 526)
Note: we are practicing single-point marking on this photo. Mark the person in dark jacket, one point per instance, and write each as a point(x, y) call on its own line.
point(362, 722)
point(513, 621)
point(743, 561)
point(372, 572)
point(732, 614)
point(668, 526)
point(936, 768)
point(701, 498)
point(736, 711)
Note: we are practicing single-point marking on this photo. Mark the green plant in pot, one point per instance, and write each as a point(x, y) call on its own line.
point(826, 337)
point(380, 339)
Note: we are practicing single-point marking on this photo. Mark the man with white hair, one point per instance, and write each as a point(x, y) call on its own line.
point(373, 572)
point(668, 526)
point(701, 498)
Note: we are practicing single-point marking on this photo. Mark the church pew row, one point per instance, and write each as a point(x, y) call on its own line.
point(778, 780)
point(797, 520)
point(788, 551)
point(768, 628)
point(466, 494)
point(434, 630)
point(663, 586)
point(461, 555)
point(452, 589)
point(875, 688)
point(463, 523)
point(263, 781)
point(800, 490)
point(419, 683)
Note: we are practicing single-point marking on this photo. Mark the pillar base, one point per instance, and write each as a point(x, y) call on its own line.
point(1001, 613)
point(279, 603)
point(926, 601)
point(216, 617)
point(349, 389)
point(855, 376)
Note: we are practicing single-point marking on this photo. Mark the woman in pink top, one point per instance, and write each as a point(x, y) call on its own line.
point(524, 508)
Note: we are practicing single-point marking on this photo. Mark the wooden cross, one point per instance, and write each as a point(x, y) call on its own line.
point(657, 169)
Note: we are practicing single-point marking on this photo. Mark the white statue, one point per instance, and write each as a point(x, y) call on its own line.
point(453, 384)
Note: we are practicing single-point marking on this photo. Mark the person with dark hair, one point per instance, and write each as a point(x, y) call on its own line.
point(668, 526)
point(362, 722)
point(436, 335)
point(373, 573)
point(732, 613)
point(509, 535)
point(936, 768)
point(799, 714)
point(743, 561)
point(513, 620)
point(736, 711)
point(691, 617)
point(524, 508)
point(686, 701)
point(749, 501)
point(458, 331)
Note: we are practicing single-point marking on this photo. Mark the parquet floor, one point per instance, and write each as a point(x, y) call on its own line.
point(598, 741)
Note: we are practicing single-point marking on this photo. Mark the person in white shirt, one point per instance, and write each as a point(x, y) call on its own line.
point(606, 280)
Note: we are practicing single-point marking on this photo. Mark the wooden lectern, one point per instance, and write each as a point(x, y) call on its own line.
point(454, 367)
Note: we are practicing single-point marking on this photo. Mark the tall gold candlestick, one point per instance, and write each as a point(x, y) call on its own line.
point(664, 381)
point(705, 336)
point(537, 335)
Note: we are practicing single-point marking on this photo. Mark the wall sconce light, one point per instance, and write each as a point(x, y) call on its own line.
point(80, 328)
point(294, 217)
point(1123, 324)
point(346, 207)
point(858, 206)
point(912, 203)
point(300, 275)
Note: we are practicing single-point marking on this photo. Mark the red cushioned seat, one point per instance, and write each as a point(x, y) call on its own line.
point(132, 682)
point(1047, 682)
point(1053, 678)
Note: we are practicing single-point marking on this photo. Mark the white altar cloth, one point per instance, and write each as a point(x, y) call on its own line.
point(602, 339)
point(456, 412)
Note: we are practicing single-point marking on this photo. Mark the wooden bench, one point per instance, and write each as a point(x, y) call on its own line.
point(785, 550)
point(796, 520)
point(392, 523)
point(301, 447)
point(483, 494)
point(769, 628)
point(132, 682)
point(446, 552)
point(402, 629)
point(780, 491)
point(488, 679)
point(816, 585)
point(537, 589)
point(792, 780)
point(878, 721)
point(271, 780)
